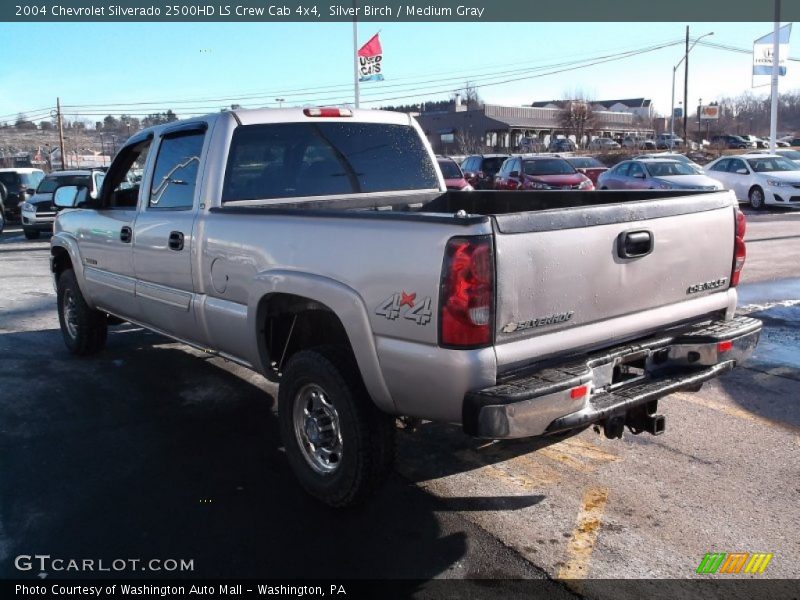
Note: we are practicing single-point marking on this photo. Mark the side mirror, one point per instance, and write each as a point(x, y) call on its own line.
point(514, 174)
point(742, 171)
point(30, 191)
point(70, 196)
point(639, 175)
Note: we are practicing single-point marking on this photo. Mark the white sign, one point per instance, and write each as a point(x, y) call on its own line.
point(763, 50)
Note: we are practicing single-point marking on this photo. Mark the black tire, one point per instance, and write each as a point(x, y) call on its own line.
point(84, 329)
point(2, 220)
point(756, 197)
point(365, 434)
point(31, 234)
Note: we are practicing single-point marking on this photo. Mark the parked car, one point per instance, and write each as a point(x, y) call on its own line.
point(730, 142)
point(755, 141)
point(760, 179)
point(540, 173)
point(672, 156)
point(376, 293)
point(790, 153)
point(531, 144)
point(603, 144)
point(589, 166)
point(453, 176)
point(39, 212)
point(792, 141)
point(636, 142)
point(479, 169)
point(562, 145)
point(668, 141)
point(18, 184)
point(655, 174)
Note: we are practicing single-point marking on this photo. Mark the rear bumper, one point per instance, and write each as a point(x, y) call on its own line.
point(579, 392)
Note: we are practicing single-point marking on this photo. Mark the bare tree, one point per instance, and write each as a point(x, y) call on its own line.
point(466, 142)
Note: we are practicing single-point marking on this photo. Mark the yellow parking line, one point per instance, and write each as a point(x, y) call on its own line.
point(587, 527)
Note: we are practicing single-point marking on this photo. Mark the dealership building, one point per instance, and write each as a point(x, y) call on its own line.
point(502, 128)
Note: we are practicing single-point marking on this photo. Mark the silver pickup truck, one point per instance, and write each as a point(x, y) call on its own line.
point(320, 248)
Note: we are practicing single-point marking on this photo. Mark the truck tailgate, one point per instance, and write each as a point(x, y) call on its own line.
point(566, 268)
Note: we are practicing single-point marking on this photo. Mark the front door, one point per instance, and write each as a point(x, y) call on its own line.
point(105, 238)
point(164, 234)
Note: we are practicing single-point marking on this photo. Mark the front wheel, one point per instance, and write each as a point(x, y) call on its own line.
point(339, 445)
point(756, 197)
point(84, 329)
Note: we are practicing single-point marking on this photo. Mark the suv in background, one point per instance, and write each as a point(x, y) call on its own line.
point(480, 169)
point(730, 141)
point(638, 142)
point(39, 212)
point(562, 145)
point(668, 140)
point(16, 185)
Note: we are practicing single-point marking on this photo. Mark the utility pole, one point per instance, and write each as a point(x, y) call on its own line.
point(773, 114)
point(355, 54)
point(686, 87)
point(60, 133)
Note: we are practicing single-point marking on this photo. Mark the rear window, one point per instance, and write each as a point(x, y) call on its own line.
point(547, 166)
point(450, 169)
point(492, 165)
point(287, 160)
point(9, 178)
point(586, 162)
point(50, 183)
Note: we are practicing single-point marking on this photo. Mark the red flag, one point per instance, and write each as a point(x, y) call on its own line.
point(372, 47)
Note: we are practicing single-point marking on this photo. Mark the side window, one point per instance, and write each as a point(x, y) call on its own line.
point(635, 170)
point(517, 166)
point(735, 165)
point(175, 172)
point(125, 176)
point(721, 165)
point(622, 170)
point(469, 165)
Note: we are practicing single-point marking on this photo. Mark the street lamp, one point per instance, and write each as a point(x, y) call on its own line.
point(672, 111)
point(280, 102)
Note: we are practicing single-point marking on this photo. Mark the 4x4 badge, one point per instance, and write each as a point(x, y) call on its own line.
point(406, 305)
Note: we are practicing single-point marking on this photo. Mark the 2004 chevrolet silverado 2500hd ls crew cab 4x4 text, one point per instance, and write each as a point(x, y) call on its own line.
point(320, 248)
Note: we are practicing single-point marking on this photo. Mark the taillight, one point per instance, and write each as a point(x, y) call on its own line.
point(739, 249)
point(327, 112)
point(466, 299)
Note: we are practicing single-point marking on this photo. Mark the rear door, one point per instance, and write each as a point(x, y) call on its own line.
point(164, 233)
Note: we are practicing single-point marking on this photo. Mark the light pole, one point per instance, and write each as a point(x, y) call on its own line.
point(280, 102)
point(672, 111)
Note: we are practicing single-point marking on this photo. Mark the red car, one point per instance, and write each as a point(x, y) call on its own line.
point(591, 167)
point(453, 177)
point(540, 173)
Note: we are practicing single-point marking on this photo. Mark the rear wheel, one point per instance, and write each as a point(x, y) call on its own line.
point(84, 329)
point(756, 197)
point(2, 221)
point(339, 445)
point(31, 234)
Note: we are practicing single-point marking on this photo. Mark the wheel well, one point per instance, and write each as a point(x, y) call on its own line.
point(755, 187)
point(288, 324)
point(61, 261)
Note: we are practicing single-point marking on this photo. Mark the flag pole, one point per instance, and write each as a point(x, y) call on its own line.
point(355, 56)
point(773, 117)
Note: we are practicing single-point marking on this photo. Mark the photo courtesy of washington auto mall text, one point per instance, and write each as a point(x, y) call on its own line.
point(461, 299)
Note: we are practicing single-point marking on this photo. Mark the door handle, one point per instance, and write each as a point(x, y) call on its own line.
point(176, 240)
point(634, 244)
point(126, 235)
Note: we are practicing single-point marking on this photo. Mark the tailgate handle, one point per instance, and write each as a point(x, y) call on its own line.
point(633, 244)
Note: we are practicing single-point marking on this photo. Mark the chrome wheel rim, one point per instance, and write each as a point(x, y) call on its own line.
point(756, 198)
point(317, 430)
point(70, 314)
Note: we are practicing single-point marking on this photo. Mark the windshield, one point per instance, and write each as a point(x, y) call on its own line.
point(49, 184)
point(9, 178)
point(586, 162)
point(547, 166)
point(450, 169)
point(770, 164)
point(665, 169)
point(285, 160)
point(492, 165)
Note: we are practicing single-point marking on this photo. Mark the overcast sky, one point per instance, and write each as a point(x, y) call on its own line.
point(208, 64)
